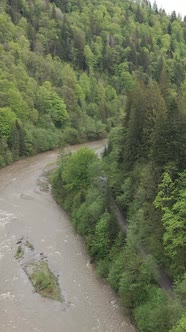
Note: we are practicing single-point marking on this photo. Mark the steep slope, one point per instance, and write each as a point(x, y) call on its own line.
point(66, 67)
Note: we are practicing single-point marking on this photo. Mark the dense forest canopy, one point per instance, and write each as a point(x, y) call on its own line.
point(67, 67)
point(72, 71)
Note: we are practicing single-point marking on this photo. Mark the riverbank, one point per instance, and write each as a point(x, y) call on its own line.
point(27, 210)
point(80, 185)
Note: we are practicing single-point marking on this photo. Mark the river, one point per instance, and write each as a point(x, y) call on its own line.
point(28, 210)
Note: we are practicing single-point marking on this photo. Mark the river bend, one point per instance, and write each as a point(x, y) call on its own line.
point(26, 210)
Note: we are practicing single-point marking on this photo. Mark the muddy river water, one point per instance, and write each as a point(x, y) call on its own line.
point(26, 210)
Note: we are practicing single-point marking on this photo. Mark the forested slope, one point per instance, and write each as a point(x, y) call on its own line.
point(141, 52)
point(66, 67)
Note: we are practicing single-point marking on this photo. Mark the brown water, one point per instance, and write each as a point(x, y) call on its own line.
point(26, 210)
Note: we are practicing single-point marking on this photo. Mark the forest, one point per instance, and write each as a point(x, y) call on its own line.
point(73, 71)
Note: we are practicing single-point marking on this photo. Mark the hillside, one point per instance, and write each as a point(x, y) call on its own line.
point(73, 71)
point(66, 68)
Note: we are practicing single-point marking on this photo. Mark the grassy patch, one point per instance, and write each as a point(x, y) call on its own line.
point(44, 281)
point(29, 245)
point(19, 252)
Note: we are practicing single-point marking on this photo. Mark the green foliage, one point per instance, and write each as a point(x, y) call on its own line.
point(44, 281)
point(165, 197)
point(74, 64)
point(86, 216)
point(116, 270)
point(135, 280)
point(7, 119)
point(40, 139)
point(100, 244)
point(102, 267)
point(49, 102)
point(161, 313)
point(171, 199)
point(77, 186)
point(75, 71)
point(180, 288)
point(180, 326)
point(19, 252)
point(76, 178)
point(71, 135)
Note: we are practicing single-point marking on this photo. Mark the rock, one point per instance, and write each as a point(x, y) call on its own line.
point(19, 241)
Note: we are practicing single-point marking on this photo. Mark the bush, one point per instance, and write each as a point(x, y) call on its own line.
point(180, 326)
point(71, 136)
point(9, 157)
point(158, 313)
point(116, 270)
point(40, 140)
point(100, 244)
point(44, 281)
point(102, 267)
point(2, 161)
